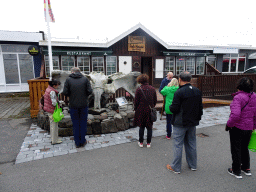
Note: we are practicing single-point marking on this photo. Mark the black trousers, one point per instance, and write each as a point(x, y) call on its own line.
point(141, 133)
point(239, 140)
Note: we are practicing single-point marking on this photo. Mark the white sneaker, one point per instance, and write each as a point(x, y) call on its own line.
point(148, 145)
point(140, 144)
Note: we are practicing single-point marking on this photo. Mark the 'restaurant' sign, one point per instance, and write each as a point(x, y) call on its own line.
point(136, 43)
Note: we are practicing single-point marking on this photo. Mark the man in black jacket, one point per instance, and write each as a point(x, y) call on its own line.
point(187, 109)
point(77, 87)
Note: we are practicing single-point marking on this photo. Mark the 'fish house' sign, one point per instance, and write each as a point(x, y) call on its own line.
point(136, 43)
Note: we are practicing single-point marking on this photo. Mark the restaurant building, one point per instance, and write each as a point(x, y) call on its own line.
point(138, 49)
point(20, 60)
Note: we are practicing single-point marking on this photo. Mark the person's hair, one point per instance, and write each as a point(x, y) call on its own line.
point(170, 73)
point(75, 70)
point(185, 76)
point(245, 84)
point(54, 82)
point(142, 79)
point(174, 82)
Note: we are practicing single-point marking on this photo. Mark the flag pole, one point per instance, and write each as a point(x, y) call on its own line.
point(49, 39)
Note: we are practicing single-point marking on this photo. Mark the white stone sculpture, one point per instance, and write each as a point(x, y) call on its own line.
point(102, 83)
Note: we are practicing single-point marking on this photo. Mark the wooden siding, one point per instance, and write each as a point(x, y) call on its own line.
point(153, 48)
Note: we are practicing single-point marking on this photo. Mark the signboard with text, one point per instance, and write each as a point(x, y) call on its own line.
point(136, 43)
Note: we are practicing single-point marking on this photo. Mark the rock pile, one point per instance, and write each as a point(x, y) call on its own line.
point(100, 121)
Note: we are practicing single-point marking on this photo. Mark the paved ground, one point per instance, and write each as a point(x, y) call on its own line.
point(126, 167)
point(114, 162)
point(37, 143)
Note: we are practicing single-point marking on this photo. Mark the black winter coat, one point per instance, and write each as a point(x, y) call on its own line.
point(187, 107)
point(77, 87)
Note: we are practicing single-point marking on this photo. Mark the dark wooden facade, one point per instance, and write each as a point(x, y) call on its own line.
point(145, 60)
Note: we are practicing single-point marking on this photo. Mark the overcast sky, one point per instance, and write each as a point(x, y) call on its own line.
point(199, 22)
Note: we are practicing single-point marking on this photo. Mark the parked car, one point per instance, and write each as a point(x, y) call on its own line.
point(251, 70)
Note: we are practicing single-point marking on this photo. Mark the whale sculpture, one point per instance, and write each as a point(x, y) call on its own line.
point(103, 84)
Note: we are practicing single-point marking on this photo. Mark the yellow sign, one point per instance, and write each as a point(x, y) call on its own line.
point(136, 43)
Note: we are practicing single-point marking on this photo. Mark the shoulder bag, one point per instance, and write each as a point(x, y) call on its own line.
point(153, 113)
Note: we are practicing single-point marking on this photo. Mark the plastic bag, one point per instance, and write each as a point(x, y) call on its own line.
point(252, 144)
point(57, 114)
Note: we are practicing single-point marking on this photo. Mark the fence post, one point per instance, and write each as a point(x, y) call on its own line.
point(213, 85)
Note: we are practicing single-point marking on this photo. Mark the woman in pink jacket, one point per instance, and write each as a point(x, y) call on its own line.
point(50, 101)
point(241, 122)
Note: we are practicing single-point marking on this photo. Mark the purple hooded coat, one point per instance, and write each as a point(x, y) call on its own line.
point(245, 119)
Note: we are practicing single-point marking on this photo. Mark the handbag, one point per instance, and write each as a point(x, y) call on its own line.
point(57, 114)
point(252, 144)
point(153, 113)
point(229, 128)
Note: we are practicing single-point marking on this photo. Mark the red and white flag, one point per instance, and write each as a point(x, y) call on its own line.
point(49, 10)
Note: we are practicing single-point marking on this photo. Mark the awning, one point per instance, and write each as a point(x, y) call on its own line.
point(56, 52)
point(185, 54)
point(252, 56)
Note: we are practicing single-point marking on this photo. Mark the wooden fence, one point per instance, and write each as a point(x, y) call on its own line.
point(219, 85)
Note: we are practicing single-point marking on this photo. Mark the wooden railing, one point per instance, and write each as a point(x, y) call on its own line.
point(120, 93)
point(218, 85)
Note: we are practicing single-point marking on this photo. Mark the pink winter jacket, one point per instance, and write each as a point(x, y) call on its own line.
point(245, 119)
point(48, 107)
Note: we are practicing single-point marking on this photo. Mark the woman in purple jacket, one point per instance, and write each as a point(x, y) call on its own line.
point(241, 122)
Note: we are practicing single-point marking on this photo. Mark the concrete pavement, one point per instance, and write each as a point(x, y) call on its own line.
point(127, 167)
point(110, 165)
point(37, 143)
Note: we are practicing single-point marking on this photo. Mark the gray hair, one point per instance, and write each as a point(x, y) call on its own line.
point(75, 70)
point(185, 76)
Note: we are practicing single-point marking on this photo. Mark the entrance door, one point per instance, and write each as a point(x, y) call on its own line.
point(146, 68)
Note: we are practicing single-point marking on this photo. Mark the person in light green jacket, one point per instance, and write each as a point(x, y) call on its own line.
point(168, 91)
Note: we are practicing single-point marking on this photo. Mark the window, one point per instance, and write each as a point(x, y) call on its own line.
point(190, 65)
point(83, 63)
point(233, 63)
point(241, 62)
point(97, 64)
point(211, 59)
point(180, 65)
point(169, 65)
point(55, 63)
point(15, 48)
point(11, 68)
point(18, 68)
point(111, 65)
point(68, 62)
point(200, 62)
point(26, 67)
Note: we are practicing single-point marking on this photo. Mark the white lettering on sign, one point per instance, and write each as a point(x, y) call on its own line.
point(78, 53)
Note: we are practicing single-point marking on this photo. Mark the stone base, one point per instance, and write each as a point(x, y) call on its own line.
point(104, 121)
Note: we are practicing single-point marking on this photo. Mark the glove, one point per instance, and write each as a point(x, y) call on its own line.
point(227, 128)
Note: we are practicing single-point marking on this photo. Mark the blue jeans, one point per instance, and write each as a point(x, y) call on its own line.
point(168, 125)
point(186, 136)
point(79, 120)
